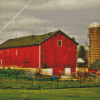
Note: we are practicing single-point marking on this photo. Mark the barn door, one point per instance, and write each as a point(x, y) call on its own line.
point(67, 71)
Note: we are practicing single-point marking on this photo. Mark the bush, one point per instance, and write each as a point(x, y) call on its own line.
point(9, 73)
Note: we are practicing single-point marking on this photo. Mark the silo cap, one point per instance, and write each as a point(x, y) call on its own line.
point(94, 25)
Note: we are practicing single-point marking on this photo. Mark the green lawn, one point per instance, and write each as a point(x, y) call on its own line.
point(51, 94)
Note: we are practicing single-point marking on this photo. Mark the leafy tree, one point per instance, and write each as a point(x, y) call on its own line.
point(73, 38)
point(85, 58)
point(81, 51)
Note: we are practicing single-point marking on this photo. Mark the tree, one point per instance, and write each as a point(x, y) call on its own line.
point(85, 58)
point(81, 51)
point(73, 38)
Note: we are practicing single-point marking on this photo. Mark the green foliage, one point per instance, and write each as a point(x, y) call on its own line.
point(81, 51)
point(9, 73)
point(86, 62)
point(17, 74)
point(73, 39)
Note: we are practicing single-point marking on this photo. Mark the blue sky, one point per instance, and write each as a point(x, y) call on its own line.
point(42, 16)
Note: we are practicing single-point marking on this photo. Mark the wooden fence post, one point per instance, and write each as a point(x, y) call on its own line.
point(80, 79)
point(2, 83)
point(32, 82)
point(57, 84)
point(46, 73)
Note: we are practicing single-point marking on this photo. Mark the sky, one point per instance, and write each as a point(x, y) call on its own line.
point(20, 18)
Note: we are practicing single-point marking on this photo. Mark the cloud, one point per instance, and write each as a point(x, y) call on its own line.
point(9, 3)
point(31, 20)
point(22, 22)
point(17, 34)
point(66, 4)
point(43, 16)
point(7, 15)
point(50, 4)
point(13, 34)
point(75, 36)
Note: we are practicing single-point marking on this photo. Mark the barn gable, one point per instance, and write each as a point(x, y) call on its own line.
point(30, 40)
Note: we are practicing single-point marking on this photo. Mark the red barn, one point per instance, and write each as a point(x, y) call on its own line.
point(53, 53)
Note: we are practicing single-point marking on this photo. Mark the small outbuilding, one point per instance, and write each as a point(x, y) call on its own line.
point(81, 68)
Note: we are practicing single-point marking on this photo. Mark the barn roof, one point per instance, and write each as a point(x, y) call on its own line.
point(95, 65)
point(30, 40)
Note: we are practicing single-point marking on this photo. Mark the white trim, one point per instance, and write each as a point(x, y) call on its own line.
point(16, 52)
point(1, 62)
point(47, 71)
point(39, 56)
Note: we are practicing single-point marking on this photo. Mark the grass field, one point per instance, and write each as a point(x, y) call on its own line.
point(23, 91)
point(51, 94)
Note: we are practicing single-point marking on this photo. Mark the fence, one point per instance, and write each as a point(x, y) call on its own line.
point(49, 84)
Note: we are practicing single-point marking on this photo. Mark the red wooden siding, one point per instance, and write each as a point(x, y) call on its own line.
point(51, 55)
point(58, 71)
point(56, 56)
point(25, 57)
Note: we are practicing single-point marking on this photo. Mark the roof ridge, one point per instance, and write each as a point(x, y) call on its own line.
point(30, 40)
point(34, 35)
point(27, 40)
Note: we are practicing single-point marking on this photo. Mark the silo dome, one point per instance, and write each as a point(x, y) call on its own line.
point(94, 25)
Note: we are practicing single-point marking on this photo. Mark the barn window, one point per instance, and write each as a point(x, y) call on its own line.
point(59, 42)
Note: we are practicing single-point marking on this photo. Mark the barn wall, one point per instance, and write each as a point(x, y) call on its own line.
point(58, 58)
point(20, 57)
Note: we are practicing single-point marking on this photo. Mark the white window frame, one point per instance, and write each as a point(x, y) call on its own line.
point(58, 43)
